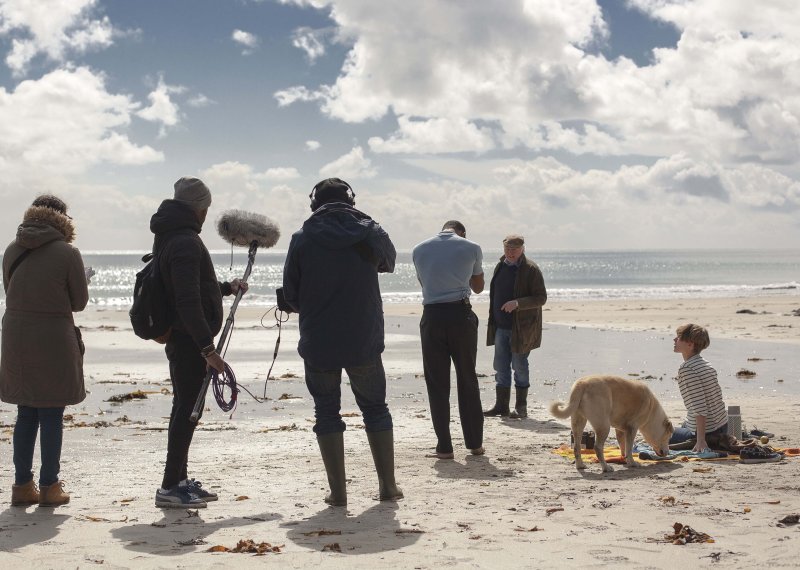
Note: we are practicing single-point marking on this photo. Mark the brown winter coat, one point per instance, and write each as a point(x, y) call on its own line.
point(41, 365)
point(526, 321)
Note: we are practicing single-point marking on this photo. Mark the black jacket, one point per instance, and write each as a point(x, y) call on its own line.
point(188, 273)
point(331, 280)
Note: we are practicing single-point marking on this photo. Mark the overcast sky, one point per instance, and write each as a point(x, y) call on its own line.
point(581, 124)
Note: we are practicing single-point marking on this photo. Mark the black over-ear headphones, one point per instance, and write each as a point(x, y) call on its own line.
point(337, 184)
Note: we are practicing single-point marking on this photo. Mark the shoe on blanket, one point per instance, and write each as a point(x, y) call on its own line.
point(759, 455)
point(755, 432)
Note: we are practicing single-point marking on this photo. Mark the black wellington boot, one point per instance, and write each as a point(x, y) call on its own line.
point(381, 443)
point(331, 446)
point(501, 404)
point(521, 407)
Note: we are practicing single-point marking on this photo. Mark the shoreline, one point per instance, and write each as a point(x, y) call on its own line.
point(773, 318)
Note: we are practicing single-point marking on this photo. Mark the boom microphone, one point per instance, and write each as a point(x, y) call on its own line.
point(246, 229)
point(238, 227)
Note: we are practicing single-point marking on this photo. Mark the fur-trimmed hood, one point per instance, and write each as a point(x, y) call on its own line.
point(41, 225)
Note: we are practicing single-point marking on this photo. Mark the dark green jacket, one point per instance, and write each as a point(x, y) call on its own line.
point(526, 321)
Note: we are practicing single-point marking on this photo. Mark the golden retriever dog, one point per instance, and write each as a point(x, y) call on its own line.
point(627, 405)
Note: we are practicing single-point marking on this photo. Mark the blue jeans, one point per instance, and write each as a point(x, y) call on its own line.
point(28, 423)
point(505, 361)
point(368, 383)
point(683, 433)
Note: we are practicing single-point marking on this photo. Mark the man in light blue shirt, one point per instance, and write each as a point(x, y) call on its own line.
point(449, 267)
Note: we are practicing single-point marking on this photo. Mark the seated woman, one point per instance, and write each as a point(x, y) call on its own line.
point(700, 390)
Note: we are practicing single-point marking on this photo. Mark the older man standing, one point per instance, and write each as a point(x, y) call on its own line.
point(449, 266)
point(517, 294)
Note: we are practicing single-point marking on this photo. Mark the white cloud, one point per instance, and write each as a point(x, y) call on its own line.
point(308, 40)
point(351, 165)
point(162, 108)
point(467, 60)
point(199, 101)
point(313, 145)
point(281, 174)
point(66, 122)
point(246, 39)
point(525, 72)
point(246, 175)
point(678, 202)
point(104, 215)
point(294, 94)
point(434, 136)
point(53, 28)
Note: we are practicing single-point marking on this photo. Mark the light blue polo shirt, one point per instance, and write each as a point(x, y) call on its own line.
point(445, 263)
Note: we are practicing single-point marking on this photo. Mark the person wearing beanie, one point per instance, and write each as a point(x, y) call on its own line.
point(516, 296)
point(193, 193)
point(331, 279)
point(41, 360)
point(195, 297)
point(449, 267)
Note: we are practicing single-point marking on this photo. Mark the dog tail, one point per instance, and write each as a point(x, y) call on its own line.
point(562, 410)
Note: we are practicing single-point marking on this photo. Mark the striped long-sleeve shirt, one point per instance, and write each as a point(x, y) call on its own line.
point(702, 396)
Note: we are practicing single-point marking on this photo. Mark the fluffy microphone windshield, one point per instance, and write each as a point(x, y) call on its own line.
point(243, 228)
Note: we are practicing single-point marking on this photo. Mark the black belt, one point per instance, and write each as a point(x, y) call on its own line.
point(461, 302)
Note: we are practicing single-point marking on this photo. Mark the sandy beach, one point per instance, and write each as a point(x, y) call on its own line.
point(518, 506)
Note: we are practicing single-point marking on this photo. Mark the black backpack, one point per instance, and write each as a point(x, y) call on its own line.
point(151, 314)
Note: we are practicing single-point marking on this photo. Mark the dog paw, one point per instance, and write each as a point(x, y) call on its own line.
point(608, 469)
point(580, 466)
point(632, 464)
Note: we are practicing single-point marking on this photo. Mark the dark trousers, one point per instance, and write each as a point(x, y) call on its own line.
point(449, 331)
point(50, 421)
point(368, 383)
point(187, 370)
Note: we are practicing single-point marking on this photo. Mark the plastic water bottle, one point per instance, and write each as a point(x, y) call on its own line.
point(735, 422)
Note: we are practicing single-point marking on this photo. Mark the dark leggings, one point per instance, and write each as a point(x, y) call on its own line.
point(187, 370)
point(29, 422)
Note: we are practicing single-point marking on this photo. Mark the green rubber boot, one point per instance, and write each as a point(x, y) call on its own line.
point(331, 446)
point(381, 443)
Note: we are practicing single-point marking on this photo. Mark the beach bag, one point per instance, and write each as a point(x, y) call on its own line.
point(150, 313)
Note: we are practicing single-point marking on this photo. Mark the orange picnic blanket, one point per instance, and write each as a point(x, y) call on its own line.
point(614, 455)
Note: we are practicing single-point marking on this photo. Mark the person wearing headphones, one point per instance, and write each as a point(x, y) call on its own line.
point(331, 279)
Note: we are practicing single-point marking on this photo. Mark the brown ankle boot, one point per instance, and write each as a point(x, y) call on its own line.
point(53, 495)
point(24, 495)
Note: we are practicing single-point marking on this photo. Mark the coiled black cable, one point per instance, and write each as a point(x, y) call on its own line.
point(219, 382)
point(227, 380)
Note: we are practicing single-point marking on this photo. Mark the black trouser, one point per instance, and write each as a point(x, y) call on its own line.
point(187, 370)
point(450, 331)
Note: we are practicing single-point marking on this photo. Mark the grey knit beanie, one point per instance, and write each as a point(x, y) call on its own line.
point(193, 193)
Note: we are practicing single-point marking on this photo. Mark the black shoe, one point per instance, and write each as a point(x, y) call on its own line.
point(179, 496)
point(196, 487)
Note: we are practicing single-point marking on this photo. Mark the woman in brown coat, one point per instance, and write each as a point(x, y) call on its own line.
point(41, 364)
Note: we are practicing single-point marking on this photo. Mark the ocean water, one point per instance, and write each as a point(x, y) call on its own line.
point(569, 275)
